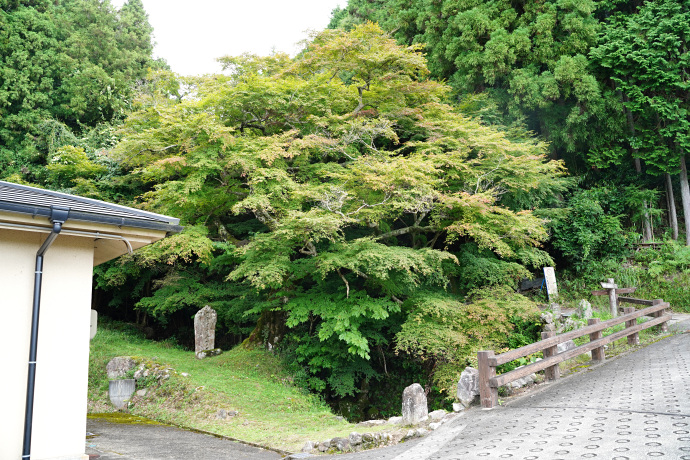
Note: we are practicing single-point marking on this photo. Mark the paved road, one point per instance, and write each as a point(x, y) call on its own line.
point(633, 407)
point(119, 441)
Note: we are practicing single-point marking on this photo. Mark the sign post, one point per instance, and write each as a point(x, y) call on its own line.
point(552, 291)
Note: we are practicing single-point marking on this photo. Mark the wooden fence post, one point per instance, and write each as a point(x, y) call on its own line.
point(488, 395)
point(613, 296)
point(633, 339)
point(663, 327)
point(552, 372)
point(598, 353)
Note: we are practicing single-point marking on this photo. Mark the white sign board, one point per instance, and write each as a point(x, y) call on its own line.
point(551, 288)
point(94, 323)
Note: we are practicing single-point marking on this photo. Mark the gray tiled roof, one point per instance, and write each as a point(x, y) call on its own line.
point(35, 201)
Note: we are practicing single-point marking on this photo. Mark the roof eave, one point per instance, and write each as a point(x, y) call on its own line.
point(94, 217)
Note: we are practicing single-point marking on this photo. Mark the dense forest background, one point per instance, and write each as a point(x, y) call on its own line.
point(367, 208)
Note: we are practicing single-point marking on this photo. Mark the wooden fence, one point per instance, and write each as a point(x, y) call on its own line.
point(489, 381)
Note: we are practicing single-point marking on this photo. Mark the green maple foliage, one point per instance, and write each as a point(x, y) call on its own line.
point(360, 183)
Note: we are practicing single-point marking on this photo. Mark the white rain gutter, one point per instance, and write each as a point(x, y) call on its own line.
point(96, 235)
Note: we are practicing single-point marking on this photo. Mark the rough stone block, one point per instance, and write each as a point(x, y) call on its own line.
point(341, 444)
point(395, 420)
point(372, 423)
point(437, 415)
point(119, 366)
point(468, 386)
point(547, 317)
point(308, 446)
point(355, 438)
point(584, 309)
point(565, 346)
point(208, 353)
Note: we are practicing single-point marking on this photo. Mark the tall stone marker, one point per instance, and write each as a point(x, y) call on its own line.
point(204, 331)
point(552, 290)
point(414, 407)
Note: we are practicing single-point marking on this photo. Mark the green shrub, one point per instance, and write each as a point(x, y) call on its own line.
point(481, 268)
point(447, 332)
point(592, 229)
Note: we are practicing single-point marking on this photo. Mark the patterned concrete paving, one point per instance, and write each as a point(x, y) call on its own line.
point(633, 407)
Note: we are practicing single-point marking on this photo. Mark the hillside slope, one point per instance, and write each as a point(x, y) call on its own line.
point(271, 411)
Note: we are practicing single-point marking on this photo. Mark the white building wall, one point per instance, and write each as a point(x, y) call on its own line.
point(63, 349)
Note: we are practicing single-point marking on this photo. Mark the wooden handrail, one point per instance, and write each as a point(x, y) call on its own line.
point(619, 291)
point(572, 353)
point(640, 301)
point(512, 355)
point(489, 381)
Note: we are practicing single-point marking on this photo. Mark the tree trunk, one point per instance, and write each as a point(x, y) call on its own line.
point(647, 223)
point(672, 216)
point(269, 330)
point(648, 236)
point(685, 197)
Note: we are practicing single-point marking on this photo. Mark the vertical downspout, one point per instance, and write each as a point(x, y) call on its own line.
point(58, 216)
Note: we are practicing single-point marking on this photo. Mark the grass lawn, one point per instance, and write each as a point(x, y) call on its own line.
point(272, 411)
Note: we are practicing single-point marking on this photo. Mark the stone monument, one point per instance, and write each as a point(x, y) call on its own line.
point(204, 331)
point(414, 407)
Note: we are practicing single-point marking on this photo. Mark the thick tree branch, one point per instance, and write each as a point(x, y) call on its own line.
point(309, 249)
point(402, 231)
point(265, 218)
point(347, 285)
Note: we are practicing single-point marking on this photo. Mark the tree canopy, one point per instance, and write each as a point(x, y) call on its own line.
point(343, 187)
point(367, 206)
point(65, 67)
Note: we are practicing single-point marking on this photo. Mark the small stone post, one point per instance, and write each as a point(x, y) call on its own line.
point(94, 324)
point(584, 309)
point(414, 406)
point(204, 331)
point(119, 392)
